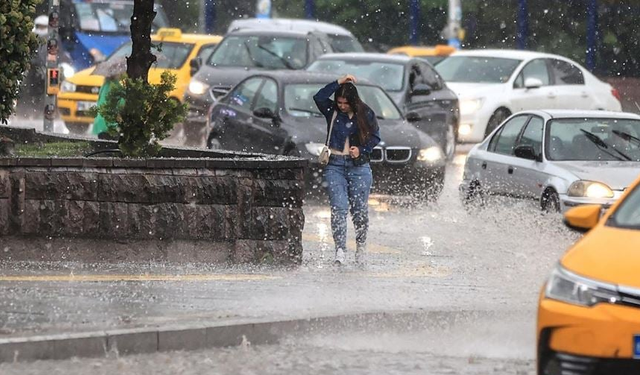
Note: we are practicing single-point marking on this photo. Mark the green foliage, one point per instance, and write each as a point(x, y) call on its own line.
point(143, 113)
point(17, 45)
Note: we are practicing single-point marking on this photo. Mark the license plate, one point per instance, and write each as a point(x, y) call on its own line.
point(636, 346)
point(83, 106)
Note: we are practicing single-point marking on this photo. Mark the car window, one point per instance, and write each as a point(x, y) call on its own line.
point(532, 135)
point(477, 69)
point(269, 52)
point(566, 73)
point(430, 77)
point(534, 69)
point(627, 215)
point(344, 43)
point(268, 97)
point(205, 51)
point(390, 76)
point(505, 140)
point(593, 139)
point(244, 93)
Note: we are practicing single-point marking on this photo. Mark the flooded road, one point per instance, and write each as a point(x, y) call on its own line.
point(480, 271)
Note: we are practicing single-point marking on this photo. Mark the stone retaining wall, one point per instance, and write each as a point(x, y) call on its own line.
point(238, 210)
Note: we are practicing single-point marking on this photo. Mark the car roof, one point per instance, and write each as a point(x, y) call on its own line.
point(288, 24)
point(265, 32)
point(364, 56)
point(189, 38)
point(504, 53)
point(578, 113)
point(302, 76)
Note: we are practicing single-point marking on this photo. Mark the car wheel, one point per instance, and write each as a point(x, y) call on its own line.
point(77, 127)
point(550, 201)
point(450, 142)
point(496, 119)
point(474, 198)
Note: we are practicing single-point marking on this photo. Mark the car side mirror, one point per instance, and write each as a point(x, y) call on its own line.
point(264, 112)
point(526, 152)
point(421, 89)
point(532, 83)
point(413, 117)
point(195, 65)
point(583, 218)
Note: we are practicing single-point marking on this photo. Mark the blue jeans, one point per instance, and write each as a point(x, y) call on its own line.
point(348, 187)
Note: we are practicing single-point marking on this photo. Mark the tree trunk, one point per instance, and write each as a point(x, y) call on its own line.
point(141, 58)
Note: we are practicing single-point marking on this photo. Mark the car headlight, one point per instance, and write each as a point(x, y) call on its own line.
point(577, 290)
point(314, 148)
point(67, 87)
point(67, 70)
point(470, 106)
point(197, 87)
point(589, 189)
point(430, 154)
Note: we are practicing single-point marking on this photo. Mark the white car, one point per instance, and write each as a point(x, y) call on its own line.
point(493, 84)
point(561, 158)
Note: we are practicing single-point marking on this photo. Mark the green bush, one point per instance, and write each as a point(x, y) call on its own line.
point(143, 114)
point(17, 45)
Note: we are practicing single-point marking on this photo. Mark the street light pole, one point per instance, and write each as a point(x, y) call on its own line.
point(414, 17)
point(454, 23)
point(52, 80)
point(523, 25)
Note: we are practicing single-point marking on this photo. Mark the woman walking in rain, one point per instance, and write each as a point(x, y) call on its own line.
point(352, 137)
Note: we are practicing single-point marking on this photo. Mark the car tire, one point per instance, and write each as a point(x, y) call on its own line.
point(474, 199)
point(78, 127)
point(450, 142)
point(550, 201)
point(496, 119)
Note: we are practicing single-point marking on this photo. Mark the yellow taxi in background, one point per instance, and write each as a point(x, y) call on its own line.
point(589, 308)
point(79, 93)
point(432, 54)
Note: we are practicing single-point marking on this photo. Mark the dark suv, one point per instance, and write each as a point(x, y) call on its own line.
point(245, 52)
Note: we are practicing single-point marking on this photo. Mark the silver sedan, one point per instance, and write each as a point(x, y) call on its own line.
point(561, 158)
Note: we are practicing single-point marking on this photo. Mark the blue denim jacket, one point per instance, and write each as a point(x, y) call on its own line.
point(344, 126)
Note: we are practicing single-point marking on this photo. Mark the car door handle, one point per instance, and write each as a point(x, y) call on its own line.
point(510, 170)
point(484, 165)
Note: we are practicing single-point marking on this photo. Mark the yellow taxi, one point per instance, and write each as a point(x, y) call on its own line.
point(432, 54)
point(79, 93)
point(589, 308)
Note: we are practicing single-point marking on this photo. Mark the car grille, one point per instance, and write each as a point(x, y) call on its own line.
point(376, 154)
point(88, 89)
point(397, 154)
point(567, 364)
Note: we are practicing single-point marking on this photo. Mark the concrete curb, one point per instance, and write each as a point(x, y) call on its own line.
point(194, 336)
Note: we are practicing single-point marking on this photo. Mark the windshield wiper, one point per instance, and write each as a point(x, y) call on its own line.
point(604, 147)
point(255, 62)
point(626, 136)
point(315, 113)
point(282, 59)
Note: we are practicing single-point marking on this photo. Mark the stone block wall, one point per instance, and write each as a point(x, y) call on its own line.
point(244, 210)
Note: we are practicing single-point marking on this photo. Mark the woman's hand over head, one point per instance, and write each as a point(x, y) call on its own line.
point(347, 78)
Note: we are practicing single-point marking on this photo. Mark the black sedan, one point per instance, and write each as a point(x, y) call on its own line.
point(274, 113)
point(414, 85)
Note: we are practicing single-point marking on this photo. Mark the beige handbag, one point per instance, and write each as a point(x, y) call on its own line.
point(325, 151)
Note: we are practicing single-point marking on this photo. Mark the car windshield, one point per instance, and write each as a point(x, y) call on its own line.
point(344, 43)
point(476, 69)
point(270, 52)
point(627, 215)
point(389, 76)
point(171, 55)
point(593, 139)
point(298, 101)
point(111, 17)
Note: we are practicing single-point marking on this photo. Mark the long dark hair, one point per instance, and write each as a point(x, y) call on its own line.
point(360, 109)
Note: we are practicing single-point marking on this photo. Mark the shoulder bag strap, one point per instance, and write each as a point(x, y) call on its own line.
point(333, 119)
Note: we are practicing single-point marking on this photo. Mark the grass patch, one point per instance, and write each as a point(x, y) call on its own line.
point(53, 149)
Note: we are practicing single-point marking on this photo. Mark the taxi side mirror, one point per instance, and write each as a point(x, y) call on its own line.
point(583, 218)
